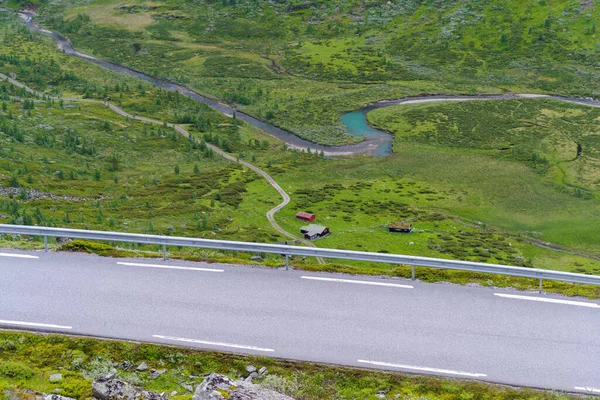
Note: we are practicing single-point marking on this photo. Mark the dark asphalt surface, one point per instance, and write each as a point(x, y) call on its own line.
point(448, 330)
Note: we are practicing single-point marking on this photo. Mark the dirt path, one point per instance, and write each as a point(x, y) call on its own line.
point(270, 214)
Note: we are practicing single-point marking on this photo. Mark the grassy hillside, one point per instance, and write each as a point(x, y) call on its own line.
point(558, 141)
point(107, 172)
point(301, 64)
point(81, 164)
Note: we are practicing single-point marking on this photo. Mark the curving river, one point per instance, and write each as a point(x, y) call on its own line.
point(376, 142)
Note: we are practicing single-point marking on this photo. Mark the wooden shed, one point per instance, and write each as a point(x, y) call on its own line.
point(402, 227)
point(305, 216)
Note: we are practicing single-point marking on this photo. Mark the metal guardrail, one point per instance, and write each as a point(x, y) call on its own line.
point(288, 250)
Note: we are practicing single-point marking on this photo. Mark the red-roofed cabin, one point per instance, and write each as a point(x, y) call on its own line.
point(304, 216)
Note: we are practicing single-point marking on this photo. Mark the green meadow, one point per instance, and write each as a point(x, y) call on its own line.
point(511, 182)
point(301, 66)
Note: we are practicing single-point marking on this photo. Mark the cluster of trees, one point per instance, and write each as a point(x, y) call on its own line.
point(19, 215)
point(28, 104)
point(11, 129)
point(201, 121)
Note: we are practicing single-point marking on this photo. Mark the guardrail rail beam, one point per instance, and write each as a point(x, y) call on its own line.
point(287, 250)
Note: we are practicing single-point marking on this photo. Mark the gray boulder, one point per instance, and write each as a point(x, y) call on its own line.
point(55, 377)
point(57, 397)
point(142, 367)
point(126, 365)
point(156, 373)
point(218, 387)
point(114, 389)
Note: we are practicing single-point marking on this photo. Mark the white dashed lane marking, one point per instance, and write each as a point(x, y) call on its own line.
point(14, 255)
point(397, 285)
point(424, 369)
point(170, 267)
point(217, 344)
point(545, 300)
point(33, 324)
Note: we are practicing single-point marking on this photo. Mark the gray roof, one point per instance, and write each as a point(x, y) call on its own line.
point(312, 229)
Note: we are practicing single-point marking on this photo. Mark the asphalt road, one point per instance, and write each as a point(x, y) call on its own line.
point(456, 331)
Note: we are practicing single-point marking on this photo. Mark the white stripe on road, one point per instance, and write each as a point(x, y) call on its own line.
point(170, 267)
point(33, 324)
point(587, 389)
point(545, 300)
point(424, 369)
point(220, 344)
point(17, 255)
point(317, 278)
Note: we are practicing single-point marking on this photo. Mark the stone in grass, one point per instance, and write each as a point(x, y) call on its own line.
point(113, 389)
point(187, 387)
point(250, 369)
point(126, 365)
point(156, 374)
point(57, 397)
point(263, 371)
point(251, 376)
point(142, 367)
point(219, 387)
point(111, 375)
point(55, 377)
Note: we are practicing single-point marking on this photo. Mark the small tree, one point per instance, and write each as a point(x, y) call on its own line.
point(113, 161)
point(14, 181)
point(176, 170)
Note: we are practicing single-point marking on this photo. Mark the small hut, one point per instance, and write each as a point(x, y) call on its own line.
point(402, 227)
point(312, 231)
point(306, 217)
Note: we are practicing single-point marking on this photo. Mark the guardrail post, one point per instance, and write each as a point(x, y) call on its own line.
point(287, 262)
point(412, 276)
point(45, 243)
point(164, 252)
point(541, 285)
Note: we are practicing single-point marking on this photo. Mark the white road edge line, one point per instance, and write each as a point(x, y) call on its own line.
point(34, 324)
point(587, 389)
point(424, 369)
point(545, 300)
point(170, 267)
point(318, 278)
point(17, 255)
point(220, 344)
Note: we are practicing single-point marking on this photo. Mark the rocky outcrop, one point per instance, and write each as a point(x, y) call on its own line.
point(219, 387)
point(36, 195)
point(114, 389)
